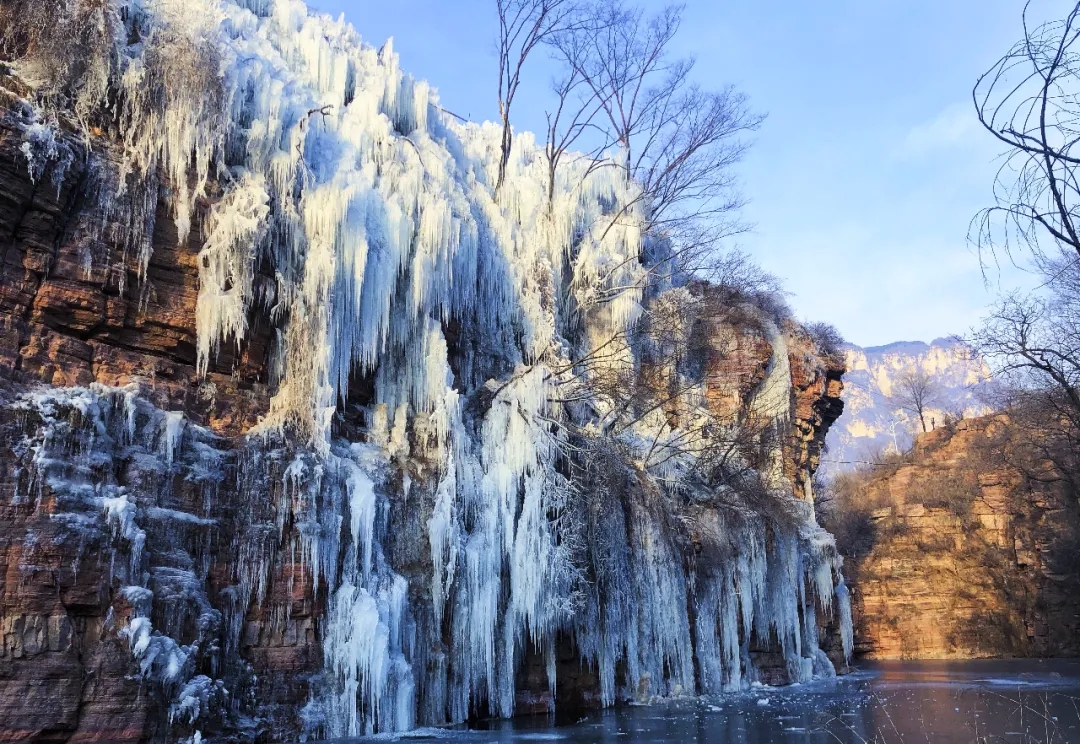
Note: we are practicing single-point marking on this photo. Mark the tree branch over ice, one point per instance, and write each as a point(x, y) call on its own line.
point(523, 26)
point(1028, 102)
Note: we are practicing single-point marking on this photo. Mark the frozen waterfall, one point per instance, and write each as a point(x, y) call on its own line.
point(498, 502)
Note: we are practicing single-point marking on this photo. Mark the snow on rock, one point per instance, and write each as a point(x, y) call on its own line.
point(44, 151)
point(874, 416)
point(74, 438)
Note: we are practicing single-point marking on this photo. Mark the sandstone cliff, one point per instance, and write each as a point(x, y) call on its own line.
point(77, 307)
point(967, 547)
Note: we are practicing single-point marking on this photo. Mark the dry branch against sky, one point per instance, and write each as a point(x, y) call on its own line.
point(865, 176)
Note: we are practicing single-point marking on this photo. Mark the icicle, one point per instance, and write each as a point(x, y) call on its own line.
point(172, 428)
point(235, 230)
point(843, 604)
point(341, 207)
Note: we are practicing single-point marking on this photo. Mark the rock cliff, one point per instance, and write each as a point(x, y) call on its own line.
point(967, 547)
point(77, 307)
point(306, 432)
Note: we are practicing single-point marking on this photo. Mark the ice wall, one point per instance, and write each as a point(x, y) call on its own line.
point(499, 497)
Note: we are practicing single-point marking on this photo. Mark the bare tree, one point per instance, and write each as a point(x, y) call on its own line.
point(916, 391)
point(1035, 344)
point(524, 25)
point(677, 142)
point(619, 88)
point(1028, 101)
point(576, 103)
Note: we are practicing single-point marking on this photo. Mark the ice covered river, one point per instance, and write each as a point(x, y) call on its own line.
point(991, 702)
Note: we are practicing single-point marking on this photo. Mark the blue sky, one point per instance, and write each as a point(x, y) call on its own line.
point(865, 175)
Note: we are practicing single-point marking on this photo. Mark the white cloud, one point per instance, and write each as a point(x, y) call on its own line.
point(952, 126)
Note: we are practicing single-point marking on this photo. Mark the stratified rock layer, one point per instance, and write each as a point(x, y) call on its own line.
point(74, 310)
point(970, 550)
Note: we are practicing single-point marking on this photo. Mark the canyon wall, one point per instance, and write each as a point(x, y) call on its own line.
point(306, 431)
point(966, 547)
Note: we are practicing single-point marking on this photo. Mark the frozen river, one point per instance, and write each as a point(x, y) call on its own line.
point(996, 702)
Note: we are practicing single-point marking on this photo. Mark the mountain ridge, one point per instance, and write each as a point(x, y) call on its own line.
point(875, 418)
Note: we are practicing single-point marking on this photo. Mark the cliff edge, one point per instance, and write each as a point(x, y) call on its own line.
point(307, 431)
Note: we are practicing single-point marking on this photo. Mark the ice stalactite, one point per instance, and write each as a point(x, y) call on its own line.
point(480, 339)
point(843, 604)
point(370, 633)
point(772, 403)
point(236, 229)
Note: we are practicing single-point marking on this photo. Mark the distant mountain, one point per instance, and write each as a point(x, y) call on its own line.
point(873, 418)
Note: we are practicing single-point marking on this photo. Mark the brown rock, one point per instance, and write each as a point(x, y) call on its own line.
point(963, 544)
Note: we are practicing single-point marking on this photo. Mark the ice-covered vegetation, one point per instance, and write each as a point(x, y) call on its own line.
point(534, 419)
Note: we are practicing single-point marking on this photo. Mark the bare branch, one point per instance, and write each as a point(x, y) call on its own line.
point(523, 26)
point(676, 142)
point(916, 391)
point(1028, 102)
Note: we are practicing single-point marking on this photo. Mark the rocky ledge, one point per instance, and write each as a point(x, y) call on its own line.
point(173, 568)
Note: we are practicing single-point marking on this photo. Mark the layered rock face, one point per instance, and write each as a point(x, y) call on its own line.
point(77, 307)
point(966, 548)
point(305, 432)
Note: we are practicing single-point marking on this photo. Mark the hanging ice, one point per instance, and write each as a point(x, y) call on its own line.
point(506, 497)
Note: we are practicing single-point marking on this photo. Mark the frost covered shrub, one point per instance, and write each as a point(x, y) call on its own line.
point(66, 48)
point(154, 81)
point(172, 113)
point(774, 304)
point(45, 151)
point(738, 280)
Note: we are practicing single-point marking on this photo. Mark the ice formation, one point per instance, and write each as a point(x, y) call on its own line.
point(74, 440)
point(360, 220)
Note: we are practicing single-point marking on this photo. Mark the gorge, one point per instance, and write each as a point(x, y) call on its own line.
point(965, 546)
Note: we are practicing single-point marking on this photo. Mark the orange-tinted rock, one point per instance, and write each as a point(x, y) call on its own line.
point(75, 310)
point(66, 320)
point(966, 542)
point(65, 674)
